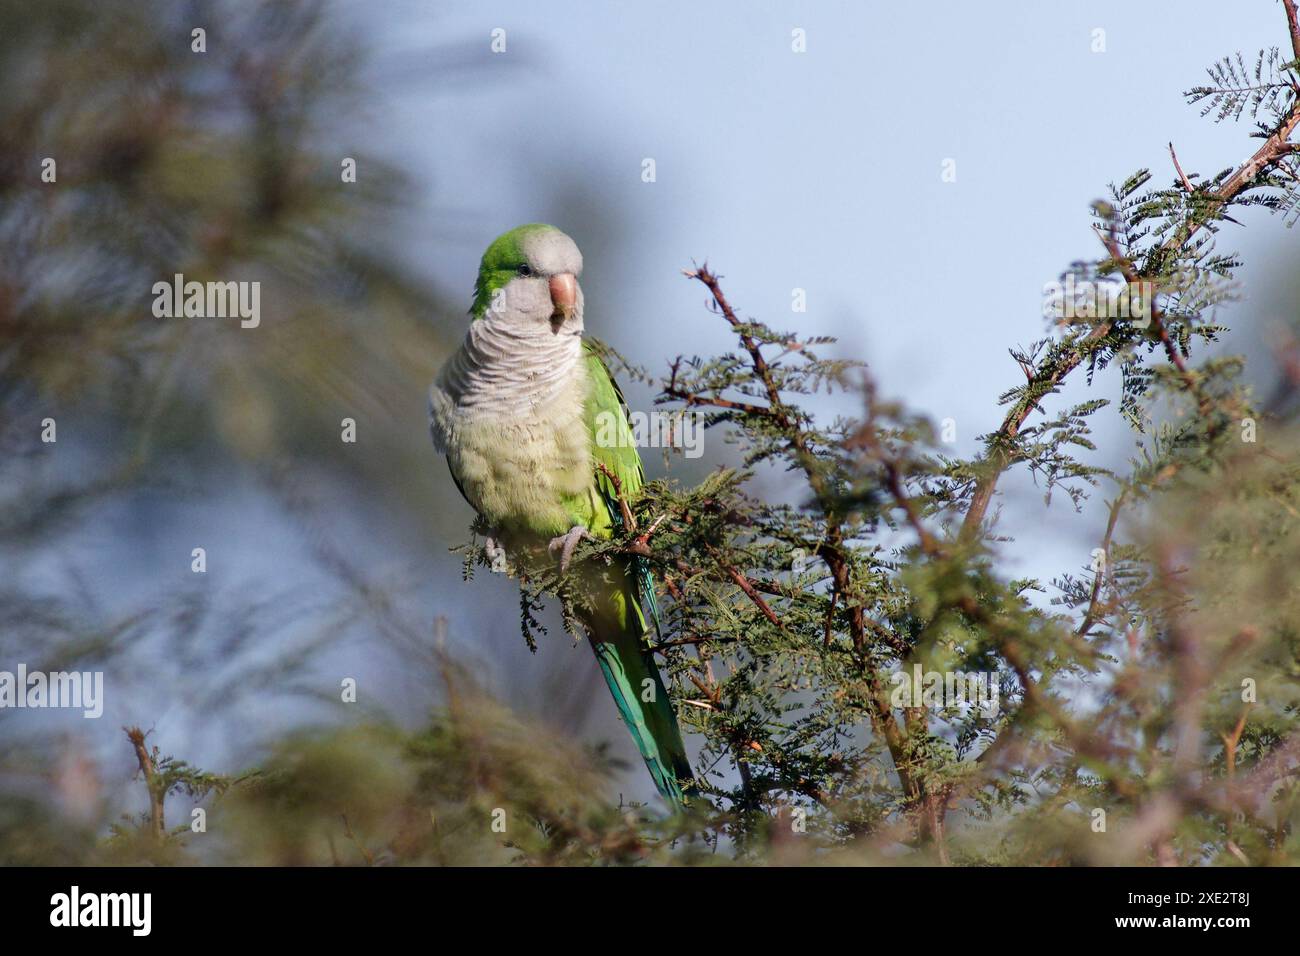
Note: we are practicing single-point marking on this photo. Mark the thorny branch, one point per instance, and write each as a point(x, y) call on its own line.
point(1049, 376)
point(925, 805)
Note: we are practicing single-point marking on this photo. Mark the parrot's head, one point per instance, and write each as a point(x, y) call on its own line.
point(529, 279)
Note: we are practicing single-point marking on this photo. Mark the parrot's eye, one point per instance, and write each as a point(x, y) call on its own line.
point(525, 270)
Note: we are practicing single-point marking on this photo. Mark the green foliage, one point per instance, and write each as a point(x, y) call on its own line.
point(1236, 89)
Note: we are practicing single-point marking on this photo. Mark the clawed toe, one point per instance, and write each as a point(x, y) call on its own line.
point(566, 544)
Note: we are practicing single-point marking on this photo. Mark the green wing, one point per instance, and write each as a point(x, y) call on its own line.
point(616, 622)
point(612, 442)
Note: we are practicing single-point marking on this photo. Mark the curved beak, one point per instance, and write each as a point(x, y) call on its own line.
point(564, 296)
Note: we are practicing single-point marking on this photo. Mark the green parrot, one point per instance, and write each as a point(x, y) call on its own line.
point(518, 410)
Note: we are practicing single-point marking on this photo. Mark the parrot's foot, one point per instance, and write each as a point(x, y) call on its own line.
point(565, 545)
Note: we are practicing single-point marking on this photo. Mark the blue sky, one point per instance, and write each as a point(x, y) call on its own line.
point(818, 170)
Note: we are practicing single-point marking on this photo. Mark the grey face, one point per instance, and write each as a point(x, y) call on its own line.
point(547, 298)
point(552, 253)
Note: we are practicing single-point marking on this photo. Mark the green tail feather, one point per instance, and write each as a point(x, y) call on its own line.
point(617, 630)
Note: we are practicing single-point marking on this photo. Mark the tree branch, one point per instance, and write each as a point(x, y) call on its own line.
point(157, 826)
point(1048, 377)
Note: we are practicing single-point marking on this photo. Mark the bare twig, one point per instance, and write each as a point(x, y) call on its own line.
point(1293, 22)
point(347, 831)
point(1090, 616)
point(148, 768)
point(629, 519)
point(1179, 169)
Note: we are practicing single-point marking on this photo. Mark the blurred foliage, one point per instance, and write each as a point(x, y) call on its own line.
point(476, 786)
